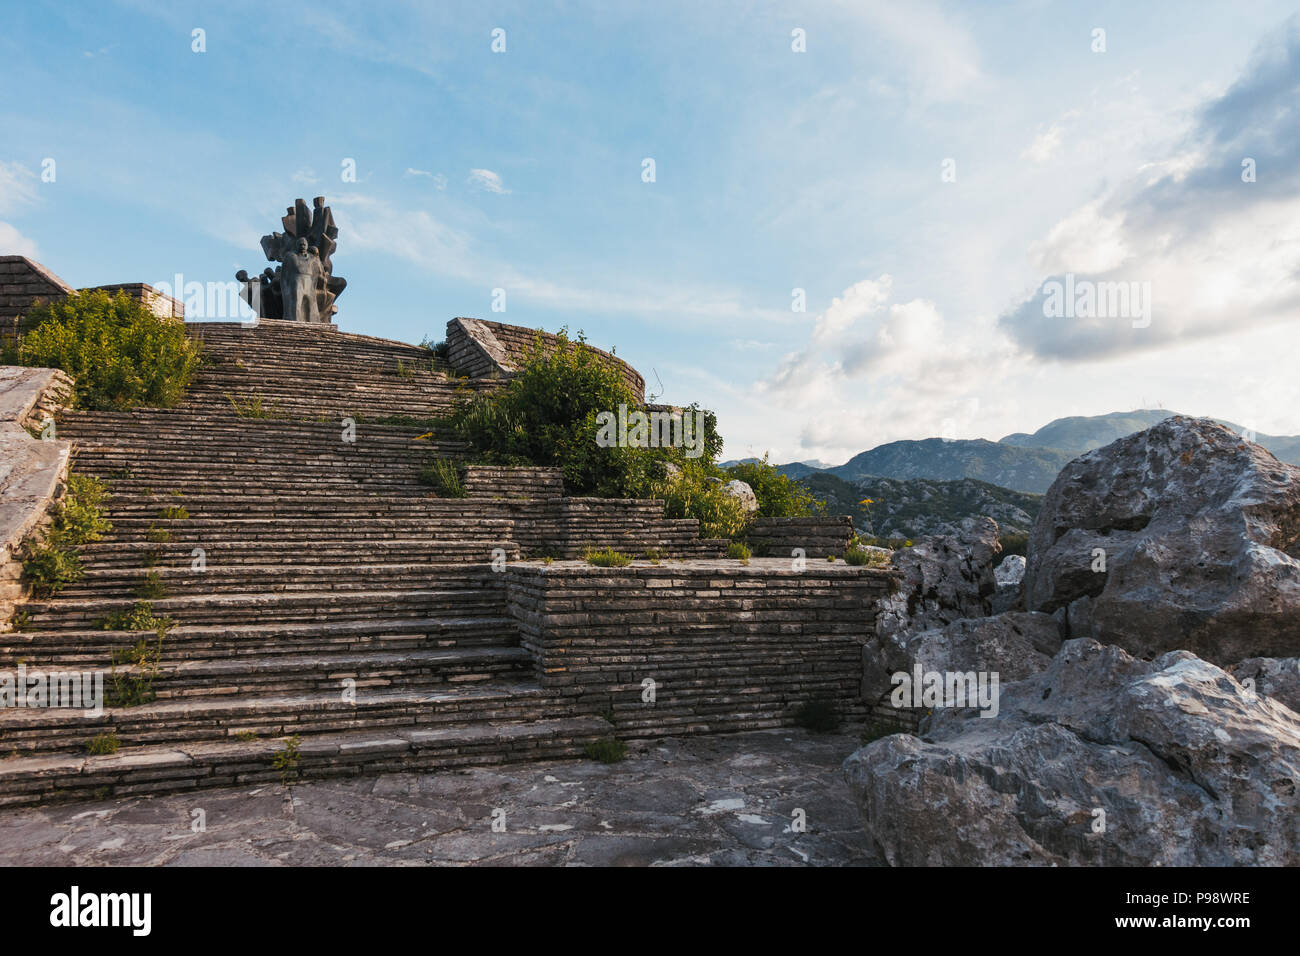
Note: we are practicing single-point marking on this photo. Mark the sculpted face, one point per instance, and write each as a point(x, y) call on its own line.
point(301, 246)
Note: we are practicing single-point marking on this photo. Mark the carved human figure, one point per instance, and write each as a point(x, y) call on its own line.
point(301, 276)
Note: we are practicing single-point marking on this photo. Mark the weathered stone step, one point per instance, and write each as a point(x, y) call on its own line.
point(273, 579)
point(294, 673)
point(127, 556)
point(95, 647)
point(160, 769)
point(262, 607)
point(188, 720)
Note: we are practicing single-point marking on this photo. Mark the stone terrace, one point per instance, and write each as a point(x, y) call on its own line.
point(319, 591)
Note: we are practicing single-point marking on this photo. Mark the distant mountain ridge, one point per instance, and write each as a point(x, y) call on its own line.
point(1021, 461)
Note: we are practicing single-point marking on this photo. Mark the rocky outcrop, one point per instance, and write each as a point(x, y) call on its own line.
point(1008, 575)
point(32, 471)
point(741, 491)
point(1278, 678)
point(942, 579)
point(1101, 759)
point(1184, 536)
point(1013, 646)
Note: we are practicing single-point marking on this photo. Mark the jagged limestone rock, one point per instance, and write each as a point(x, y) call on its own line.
point(1102, 759)
point(1184, 536)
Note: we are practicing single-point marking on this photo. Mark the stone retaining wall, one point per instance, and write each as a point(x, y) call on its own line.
point(482, 349)
point(728, 646)
point(490, 481)
point(32, 471)
point(818, 536)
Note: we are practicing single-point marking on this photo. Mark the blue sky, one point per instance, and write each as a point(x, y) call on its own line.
point(775, 170)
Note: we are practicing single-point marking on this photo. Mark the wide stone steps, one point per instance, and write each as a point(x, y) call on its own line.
point(216, 718)
point(94, 648)
point(82, 614)
point(199, 765)
point(128, 556)
point(290, 673)
point(271, 579)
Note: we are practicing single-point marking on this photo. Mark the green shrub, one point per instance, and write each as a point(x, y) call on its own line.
point(606, 750)
point(691, 495)
point(50, 562)
point(252, 408)
point(862, 556)
point(818, 716)
point(1014, 544)
point(608, 558)
point(443, 476)
point(286, 761)
point(778, 495)
point(120, 354)
point(103, 744)
point(548, 416)
point(739, 550)
point(174, 513)
point(152, 587)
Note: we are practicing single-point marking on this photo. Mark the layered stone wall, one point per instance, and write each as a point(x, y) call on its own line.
point(482, 349)
point(25, 283)
point(818, 536)
point(727, 646)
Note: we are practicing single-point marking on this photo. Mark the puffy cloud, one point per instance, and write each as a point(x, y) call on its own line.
point(1219, 253)
point(487, 180)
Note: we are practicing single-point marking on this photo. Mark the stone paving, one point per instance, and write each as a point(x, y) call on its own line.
point(720, 800)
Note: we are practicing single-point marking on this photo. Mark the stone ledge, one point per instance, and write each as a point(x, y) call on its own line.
point(32, 471)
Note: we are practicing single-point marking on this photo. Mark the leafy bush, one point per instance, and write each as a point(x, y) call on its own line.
point(606, 750)
point(738, 550)
point(119, 352)
point(443, 476)
point(778, 495)
point(51, 562)
point(691, 495)
point(548, 416)
point(608, 558)
point(857, 554)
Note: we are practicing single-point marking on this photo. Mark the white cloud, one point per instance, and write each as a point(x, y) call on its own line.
point(18, 186)
point(439, 180)
point(305, 176)
point(488, 180)
point(14, 243)
point(1045, 145)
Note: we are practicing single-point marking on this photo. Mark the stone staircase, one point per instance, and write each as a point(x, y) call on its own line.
point(316, 589)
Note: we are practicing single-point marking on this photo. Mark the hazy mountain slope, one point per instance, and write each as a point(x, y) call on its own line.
point(1083, 433)
point(1021, 469)
point(912, 508)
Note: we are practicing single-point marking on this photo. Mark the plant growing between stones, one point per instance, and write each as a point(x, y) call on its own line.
point(252, 408)
point(740, 551)
point(51, 562)
point(443, 476)
point(286, 761)
point(151, 587)
point(174, 513)
point(103, 744)
point(606, 558)
point(135, 686)
point(606, 750)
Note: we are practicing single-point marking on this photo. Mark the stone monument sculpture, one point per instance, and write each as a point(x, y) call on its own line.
point(303, 287)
